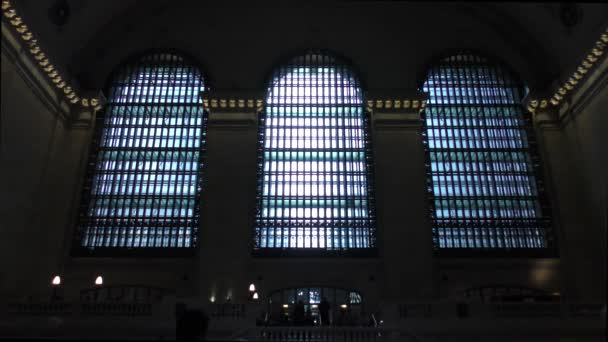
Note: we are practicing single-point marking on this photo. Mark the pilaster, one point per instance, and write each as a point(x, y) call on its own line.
point(404, 232)
point(564, 135)
point(229, 190)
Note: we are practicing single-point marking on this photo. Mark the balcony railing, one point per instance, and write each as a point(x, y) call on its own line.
point(320, 334)
point(401, 322)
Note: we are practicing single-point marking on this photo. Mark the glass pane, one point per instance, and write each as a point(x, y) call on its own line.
point(481, 167)
point(144, 187)
point(314, 176)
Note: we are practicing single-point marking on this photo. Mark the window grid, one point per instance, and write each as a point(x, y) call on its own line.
point(483, 170)
point(143, 181)
point(315, 190)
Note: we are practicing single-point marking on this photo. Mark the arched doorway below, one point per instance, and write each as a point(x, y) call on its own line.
point(345, 307)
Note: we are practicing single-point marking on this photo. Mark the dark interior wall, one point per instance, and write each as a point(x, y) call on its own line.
point(41, 158)
point(391, 44)
point(238, 47)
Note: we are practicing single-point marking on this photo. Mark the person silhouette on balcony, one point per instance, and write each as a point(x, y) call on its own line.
point(324, 311)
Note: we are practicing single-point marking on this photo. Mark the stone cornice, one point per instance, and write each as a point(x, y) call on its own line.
point(547, 115)
point(232, 101)
point(397, 120)
point(33, 78)
point(396, 109)
point(16, 32)
point(564, 89)
point(396, 101)
point(547, 118)
point(232, 109)
point(589, 90)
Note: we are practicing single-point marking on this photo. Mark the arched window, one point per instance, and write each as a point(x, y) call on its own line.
point(143, 183)
point(482, 162)
point(315, 190)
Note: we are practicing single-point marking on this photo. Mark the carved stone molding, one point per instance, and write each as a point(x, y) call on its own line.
point(396, 108)
point(396, 100)
point(18, 34)
point(563, 89)
point(83, 116)
point(232, 100)
point(539, 103)
point(232, 108)
point(547, 118)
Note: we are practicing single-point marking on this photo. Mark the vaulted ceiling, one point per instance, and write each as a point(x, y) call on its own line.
point(90, 37)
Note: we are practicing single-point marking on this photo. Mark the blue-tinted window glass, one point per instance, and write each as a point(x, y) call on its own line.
point(483, 177)
point(144, 185)
point(314, 191)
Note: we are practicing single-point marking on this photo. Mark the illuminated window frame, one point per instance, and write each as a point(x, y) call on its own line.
point(142, 188)
point(496, 208)
point(315, 128)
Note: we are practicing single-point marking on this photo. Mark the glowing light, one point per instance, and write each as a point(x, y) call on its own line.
point(56, 281)
point(344, 306)
point(99, 281)
point(252, 287)
point(285, 306)
point(212, 299)
point(255, 295)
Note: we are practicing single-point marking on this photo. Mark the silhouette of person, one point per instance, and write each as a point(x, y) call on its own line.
point(298, 314)
point(324, 311)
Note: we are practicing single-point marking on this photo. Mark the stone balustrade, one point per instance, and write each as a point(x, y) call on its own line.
point(403, 322)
